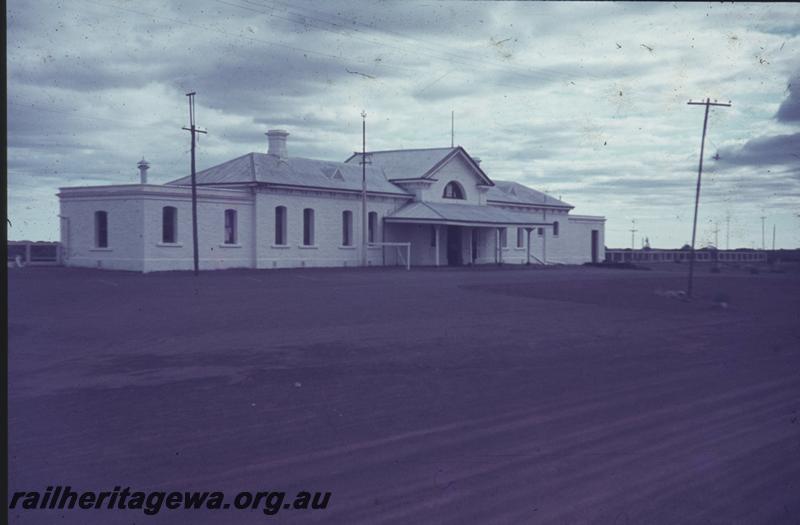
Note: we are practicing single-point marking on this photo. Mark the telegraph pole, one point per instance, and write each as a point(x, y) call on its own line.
point(633, 230)
point(728, 231)
point(193, 130)
point(773, 237)
point(716, 235)
point(452, 128)
point(363, 188)
point(707, 103)
point(763, 243)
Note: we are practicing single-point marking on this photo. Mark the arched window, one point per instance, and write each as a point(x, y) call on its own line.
point(347, 228)
point(280, 226)
point(372, 222)
point(169, 224)
point(231, 227)
point(101, 229)
point(308, 227)
point(555, 229)
point(453, 190)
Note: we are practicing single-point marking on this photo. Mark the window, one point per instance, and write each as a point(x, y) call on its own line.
point(540, 231)
point(230, 227)
point(280, 226)
point(555, 229)
point(373, 226)
point(101, 229)
point(308, 227)
point(453, 190)
point(169, 224)
point(520, 237)
point(504, 237)
point(347, 228)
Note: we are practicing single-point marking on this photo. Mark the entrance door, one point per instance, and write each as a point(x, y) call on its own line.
point(595, 243)
point(454, 246)
point(474, 245)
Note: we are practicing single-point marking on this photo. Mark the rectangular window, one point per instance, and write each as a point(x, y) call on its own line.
point(280, 226)
point(347, 228)
point(372, 234)
point(540, 231)
point(520, 237)
point(101, 229)
point(230, 227)
point(308, 227)
point(504, 237)
point(555, 229)
point(169, 224)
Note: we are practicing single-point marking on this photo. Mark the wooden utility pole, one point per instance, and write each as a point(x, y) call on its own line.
point(193, 130)
point(773, 237)
point(707, 103)
point(763, 242)
point(452, 128)
point(728, 231)
point(363, 188)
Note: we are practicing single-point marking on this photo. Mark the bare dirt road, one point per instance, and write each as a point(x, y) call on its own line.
point(493, 395)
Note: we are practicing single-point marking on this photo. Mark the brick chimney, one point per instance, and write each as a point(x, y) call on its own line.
point(277, 143)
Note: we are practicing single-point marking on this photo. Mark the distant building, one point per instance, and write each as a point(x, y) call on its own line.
point(270, 210)
point(650, 255)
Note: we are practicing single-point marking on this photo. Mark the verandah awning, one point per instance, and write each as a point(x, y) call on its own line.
point(462, 215)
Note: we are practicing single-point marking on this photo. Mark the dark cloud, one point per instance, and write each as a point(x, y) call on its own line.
point(762, 151)
point(789, 110)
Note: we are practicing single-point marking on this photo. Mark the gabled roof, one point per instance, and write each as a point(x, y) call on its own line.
point(293, 171)
point(417, 163)
point(465, 214)
point(516, 193)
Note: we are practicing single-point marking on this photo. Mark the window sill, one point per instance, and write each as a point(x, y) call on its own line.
point(280, 246)
point(101, 249)
point(169, 245)
point(224, 245)
point(308, 247)
point(347, 247)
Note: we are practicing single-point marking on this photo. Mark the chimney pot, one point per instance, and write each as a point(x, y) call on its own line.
point(143, 167)
point(277, 143)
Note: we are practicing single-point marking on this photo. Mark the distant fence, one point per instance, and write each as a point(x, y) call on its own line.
point(34, 253)
point(652, 256)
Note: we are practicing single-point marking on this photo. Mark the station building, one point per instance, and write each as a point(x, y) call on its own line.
point(424, 207)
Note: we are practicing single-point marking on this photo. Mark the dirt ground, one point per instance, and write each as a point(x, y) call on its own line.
point(492, 395)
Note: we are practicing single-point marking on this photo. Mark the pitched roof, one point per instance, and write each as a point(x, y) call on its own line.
point(436, 212)
point(293, 171)
point(416, 163)
point(516, 193)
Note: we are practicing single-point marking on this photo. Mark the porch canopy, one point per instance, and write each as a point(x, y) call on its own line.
point(462, 215)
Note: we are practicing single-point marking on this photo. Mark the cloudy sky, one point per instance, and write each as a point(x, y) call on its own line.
point(584, 101)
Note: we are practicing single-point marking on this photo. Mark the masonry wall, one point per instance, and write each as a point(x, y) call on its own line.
point(214, 254)
point(327, 249)
point(125, 242)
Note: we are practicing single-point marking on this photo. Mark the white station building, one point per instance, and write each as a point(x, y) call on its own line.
point(426, 207)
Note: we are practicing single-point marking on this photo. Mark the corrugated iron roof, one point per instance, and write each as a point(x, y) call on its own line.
point(294, 171)
point(516, 193)
point(404, 163)
point(435, 212)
